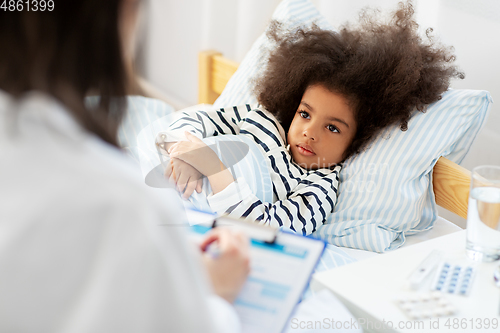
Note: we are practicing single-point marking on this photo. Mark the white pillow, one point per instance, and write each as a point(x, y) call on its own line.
point(386, 191)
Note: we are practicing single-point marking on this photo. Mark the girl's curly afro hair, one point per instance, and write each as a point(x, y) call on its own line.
point(384, 70)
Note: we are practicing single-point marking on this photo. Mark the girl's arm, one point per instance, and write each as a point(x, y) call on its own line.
point(197, 154)
point(205, 123)
point(307, 206)
point(202, 124)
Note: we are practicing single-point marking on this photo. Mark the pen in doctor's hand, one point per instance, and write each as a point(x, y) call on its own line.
point(226, 255)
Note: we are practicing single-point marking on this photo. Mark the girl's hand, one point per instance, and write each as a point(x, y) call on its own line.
point(229, 264)
point(186, 178)
point(196, 153)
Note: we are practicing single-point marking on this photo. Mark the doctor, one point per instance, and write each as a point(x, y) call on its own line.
point(81, 249)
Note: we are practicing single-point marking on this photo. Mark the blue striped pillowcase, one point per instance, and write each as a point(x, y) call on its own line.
point(141, 111)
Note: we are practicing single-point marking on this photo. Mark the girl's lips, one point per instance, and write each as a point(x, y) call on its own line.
point(305, 150)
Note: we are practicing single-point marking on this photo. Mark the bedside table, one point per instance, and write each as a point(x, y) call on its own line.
point(370, 288)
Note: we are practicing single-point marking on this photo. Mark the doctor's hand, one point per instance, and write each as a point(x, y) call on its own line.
point(185, 176)
point(227, 259)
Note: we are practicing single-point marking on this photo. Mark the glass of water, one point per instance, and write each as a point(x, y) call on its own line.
point(483, 215)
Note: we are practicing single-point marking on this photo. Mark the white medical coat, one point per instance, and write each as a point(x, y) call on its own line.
point(83, 245)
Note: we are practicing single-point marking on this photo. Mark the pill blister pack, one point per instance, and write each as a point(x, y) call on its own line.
point(454, 278)
point(425, 305)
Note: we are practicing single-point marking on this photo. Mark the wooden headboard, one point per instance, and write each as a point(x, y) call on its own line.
point(450, 181)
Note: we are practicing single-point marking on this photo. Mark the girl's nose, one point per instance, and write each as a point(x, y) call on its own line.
point(308, 133)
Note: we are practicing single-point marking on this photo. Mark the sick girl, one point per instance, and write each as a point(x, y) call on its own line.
point(322, 98)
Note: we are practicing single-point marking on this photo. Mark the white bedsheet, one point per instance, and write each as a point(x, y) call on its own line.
point(441, 227)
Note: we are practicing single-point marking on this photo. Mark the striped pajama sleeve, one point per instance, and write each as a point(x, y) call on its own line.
point(207, 123)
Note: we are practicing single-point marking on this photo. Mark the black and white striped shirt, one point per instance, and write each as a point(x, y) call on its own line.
point(303, 199)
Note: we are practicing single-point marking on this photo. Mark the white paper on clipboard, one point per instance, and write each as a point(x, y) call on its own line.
point(280, 272)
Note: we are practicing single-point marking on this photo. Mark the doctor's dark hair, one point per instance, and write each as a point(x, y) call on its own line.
point(384, 70)
point(67, 53)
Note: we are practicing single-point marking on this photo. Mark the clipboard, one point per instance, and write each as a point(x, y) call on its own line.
point(281, 268)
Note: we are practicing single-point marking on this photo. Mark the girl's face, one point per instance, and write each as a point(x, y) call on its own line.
point(322, 129)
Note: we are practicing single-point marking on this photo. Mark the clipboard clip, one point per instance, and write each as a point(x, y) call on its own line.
point(253, 230)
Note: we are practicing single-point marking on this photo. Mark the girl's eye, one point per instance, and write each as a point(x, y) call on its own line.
point(333, 129)
point(304, 114)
